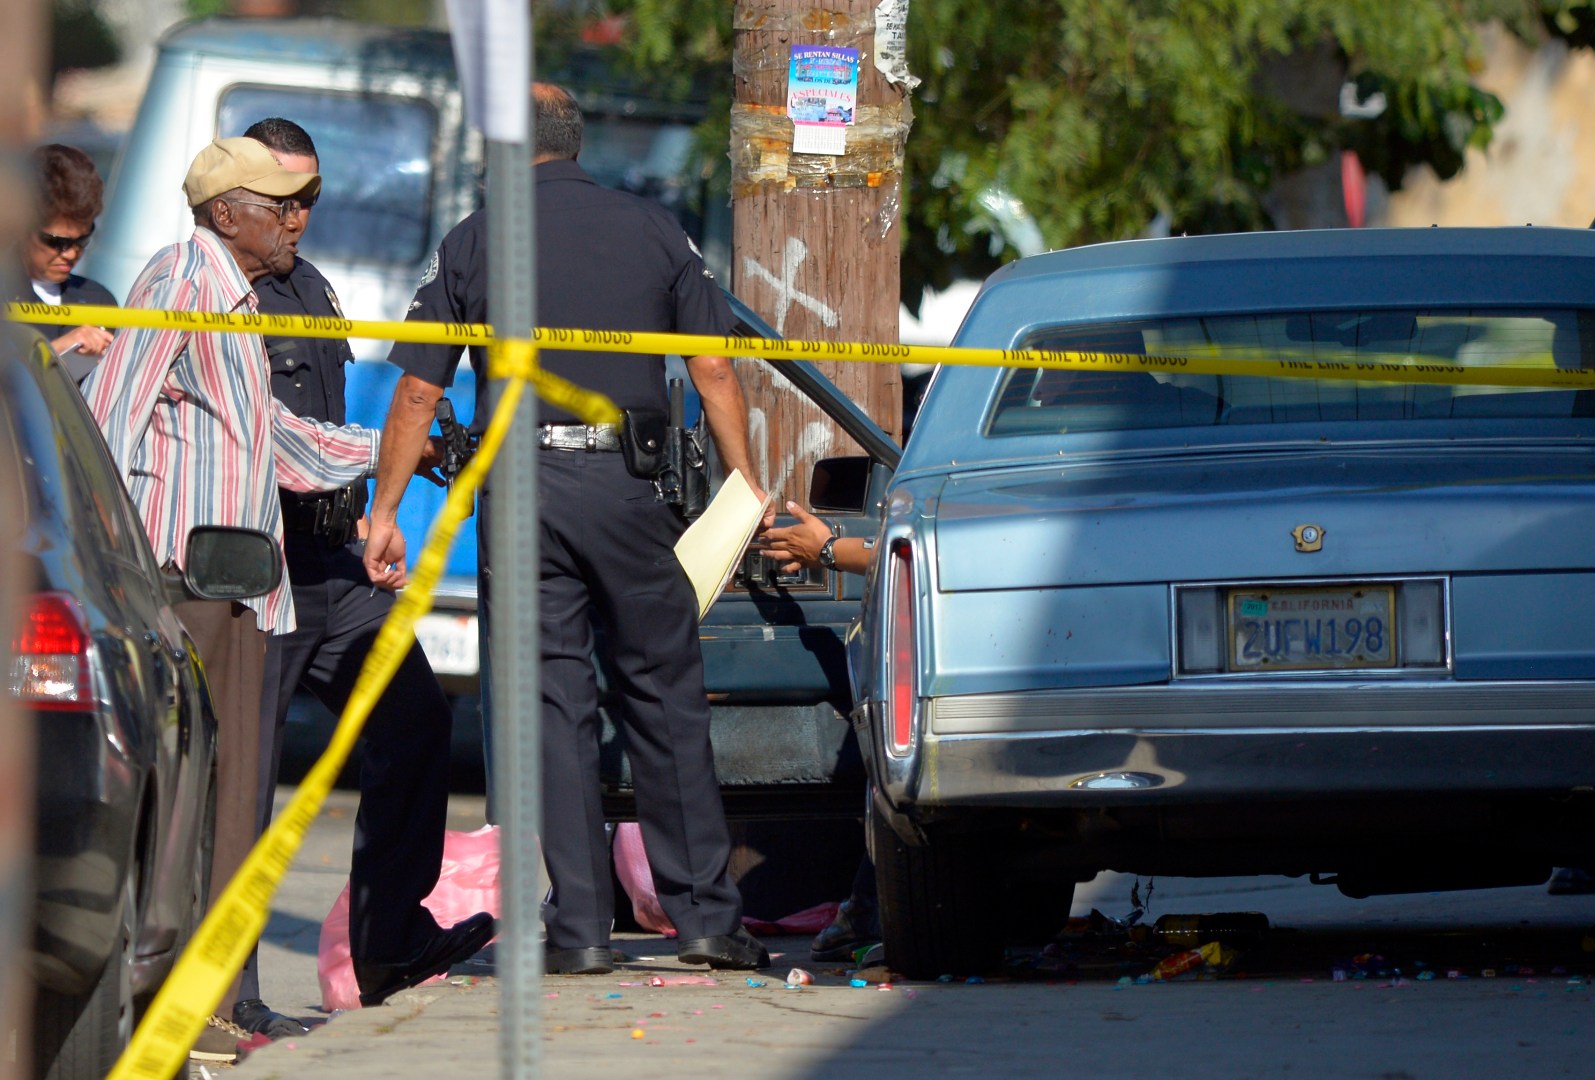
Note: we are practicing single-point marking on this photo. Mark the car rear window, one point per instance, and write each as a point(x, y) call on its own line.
point(376, 167)
point(1053, 401)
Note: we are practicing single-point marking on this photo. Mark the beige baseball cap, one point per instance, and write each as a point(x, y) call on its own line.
point(243, 163)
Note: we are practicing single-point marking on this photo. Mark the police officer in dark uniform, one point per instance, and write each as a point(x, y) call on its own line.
point(404, 780)
point(608, 261)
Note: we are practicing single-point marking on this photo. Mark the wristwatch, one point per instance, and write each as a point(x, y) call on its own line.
point(828, 554)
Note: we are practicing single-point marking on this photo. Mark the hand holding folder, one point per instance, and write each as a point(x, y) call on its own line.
point(713, 545)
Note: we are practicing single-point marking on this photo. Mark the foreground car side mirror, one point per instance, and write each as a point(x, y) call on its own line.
point(226, 563)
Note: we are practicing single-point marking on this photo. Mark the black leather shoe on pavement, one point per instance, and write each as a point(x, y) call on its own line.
point(740, 951)
point(857, 924)
point(255, 1017)
point(378, 982)
point(588, 961)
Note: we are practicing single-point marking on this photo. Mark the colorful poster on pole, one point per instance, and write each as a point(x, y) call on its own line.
point(821, 96)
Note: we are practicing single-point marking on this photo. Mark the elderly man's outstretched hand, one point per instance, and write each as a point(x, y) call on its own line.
point(385, 555)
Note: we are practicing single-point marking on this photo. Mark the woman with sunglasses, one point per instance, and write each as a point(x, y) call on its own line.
point(70, 197)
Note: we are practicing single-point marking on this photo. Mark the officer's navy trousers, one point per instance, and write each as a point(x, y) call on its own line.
point(404, 777)
point(607, 557)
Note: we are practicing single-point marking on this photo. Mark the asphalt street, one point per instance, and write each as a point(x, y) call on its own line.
point(1520, 1003)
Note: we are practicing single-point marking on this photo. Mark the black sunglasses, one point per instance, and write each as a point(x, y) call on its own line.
point(62, 244)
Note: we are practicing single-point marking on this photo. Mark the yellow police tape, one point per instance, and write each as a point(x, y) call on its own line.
point(208, 965)
point(1531, 371)
point(223, 941)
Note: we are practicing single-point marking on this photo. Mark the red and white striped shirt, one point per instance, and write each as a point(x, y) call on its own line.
point(192, 425)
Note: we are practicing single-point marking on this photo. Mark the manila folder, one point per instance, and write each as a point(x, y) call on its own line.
point(713, 545)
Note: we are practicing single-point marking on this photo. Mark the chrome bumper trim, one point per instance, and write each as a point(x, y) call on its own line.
point(1249, 765)
point(1319, 706)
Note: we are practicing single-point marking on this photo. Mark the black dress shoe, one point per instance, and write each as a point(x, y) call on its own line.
point(255, 1017)
point(589, 961)
point(378, 982)
point(857, 923)
point(740, 951)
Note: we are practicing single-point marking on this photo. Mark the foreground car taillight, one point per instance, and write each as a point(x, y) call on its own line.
point(900, 652)
point(50, 657)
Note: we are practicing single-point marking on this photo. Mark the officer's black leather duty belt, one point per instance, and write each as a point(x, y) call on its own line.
point(593, 438)
point(330, 515)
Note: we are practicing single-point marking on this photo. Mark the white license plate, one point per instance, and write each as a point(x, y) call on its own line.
point(1323, 628)
point(449, 642)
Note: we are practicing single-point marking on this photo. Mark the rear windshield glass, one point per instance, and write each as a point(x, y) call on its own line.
point(376, 168)
point(1040, 402)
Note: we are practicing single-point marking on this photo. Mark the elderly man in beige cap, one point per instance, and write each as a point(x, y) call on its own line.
point(199, 439)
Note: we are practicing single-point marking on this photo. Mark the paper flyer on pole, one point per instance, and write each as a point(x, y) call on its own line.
point(821, 96)
point(712, 546)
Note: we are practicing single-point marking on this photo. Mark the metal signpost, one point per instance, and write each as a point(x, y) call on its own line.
point(495, 61)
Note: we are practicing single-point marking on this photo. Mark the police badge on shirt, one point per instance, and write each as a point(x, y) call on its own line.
point(706, 271)
point(428, 276)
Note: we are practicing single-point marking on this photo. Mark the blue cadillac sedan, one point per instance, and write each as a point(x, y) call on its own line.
point(1157, 621)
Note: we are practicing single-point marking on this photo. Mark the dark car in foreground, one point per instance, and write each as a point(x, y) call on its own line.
point(1163, 622)
point(125, 737)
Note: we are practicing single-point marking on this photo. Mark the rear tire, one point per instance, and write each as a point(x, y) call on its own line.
point(80, 1036)
point(939, 904)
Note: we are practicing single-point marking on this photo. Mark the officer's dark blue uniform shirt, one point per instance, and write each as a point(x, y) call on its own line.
point(606, 260)
point(307, 374)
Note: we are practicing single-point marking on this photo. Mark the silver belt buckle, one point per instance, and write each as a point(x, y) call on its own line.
point(592, 438)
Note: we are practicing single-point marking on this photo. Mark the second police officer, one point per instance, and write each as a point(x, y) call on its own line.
point(605, 261)
point(404, 774)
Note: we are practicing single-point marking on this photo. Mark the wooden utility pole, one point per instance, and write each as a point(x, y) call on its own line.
point(815, 236)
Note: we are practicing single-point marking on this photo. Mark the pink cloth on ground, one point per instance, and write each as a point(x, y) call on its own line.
point(467, 884)
point(631, 867)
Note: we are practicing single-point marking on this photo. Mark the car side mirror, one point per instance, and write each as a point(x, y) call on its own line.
point(225, 563)
point(840, 484)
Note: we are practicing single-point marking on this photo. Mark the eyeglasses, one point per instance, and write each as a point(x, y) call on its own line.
point(63, 244)
point(285, 208)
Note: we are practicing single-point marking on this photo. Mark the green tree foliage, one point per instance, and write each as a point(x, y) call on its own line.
point(79, 37)
point(1101, 115)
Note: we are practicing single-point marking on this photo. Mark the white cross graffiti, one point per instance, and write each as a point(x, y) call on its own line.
point(786, 293)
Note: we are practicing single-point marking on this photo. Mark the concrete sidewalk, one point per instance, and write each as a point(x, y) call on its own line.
point(698, 1023)
point(1286, 1017)
point(451, 1029)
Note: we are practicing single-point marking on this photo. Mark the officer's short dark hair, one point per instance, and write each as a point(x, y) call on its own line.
point(559, 122)
point(283, 136)
point(69, 185)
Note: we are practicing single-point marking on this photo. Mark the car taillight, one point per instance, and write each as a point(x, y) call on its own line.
point(50, 658)
point(900, 653)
